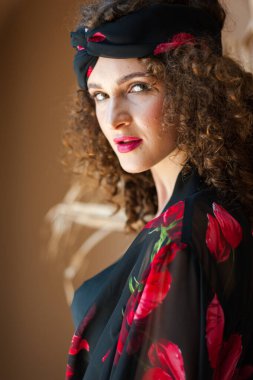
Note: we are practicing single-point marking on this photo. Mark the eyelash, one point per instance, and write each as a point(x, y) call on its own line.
point(146, 86)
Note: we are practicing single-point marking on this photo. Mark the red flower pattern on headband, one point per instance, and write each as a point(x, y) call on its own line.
point(79, 48)
point(177, 40)
point(97, 37)
point(89, 71)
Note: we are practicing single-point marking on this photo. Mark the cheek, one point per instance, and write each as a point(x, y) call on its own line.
point(100, 119)
point(152, 112)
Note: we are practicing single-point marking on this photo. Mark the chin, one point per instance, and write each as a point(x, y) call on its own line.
point(134, 169)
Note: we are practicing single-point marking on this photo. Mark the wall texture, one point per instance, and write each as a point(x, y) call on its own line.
point(36, 84)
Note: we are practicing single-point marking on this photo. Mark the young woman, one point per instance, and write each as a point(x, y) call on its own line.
point(164, 118)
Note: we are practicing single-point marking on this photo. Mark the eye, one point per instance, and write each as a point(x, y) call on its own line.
point(139, 87)
point(98, 96)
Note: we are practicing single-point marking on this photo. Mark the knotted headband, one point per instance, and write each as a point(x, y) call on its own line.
point(147, 32)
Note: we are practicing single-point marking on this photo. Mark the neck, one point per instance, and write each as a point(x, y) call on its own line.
point(165, 174)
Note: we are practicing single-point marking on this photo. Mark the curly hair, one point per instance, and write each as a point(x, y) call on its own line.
point(209, 100)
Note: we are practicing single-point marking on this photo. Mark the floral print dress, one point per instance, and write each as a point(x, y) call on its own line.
point(178, 305)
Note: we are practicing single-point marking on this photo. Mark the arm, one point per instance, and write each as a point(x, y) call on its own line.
point(164, 319)
point(188, 304)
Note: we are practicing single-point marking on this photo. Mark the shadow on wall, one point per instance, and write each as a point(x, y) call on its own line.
point(36, 85)
point(238, 31)
point(37, 82)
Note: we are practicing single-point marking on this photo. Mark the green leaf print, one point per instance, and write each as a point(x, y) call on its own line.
point(131, 287)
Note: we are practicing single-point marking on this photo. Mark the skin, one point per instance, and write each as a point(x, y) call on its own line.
point(133, 107)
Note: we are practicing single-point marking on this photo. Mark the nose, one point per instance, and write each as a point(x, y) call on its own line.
point(118, 113)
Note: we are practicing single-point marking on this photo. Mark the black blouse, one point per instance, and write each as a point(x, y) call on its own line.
point(178, 304)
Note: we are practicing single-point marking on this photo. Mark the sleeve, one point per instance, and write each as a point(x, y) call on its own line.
point(182, 320)
point(221, 239)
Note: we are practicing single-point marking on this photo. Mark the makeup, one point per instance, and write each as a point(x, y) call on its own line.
point(126, 144)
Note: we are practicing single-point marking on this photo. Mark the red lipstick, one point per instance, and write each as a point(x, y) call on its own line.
point(126, 144)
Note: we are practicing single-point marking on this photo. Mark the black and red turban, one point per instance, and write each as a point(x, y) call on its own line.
point(144, 33)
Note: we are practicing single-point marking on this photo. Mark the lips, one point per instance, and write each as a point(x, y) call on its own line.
point(125, 139)
point(126, 144)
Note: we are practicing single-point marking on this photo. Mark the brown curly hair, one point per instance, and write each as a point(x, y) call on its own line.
point(209, 100)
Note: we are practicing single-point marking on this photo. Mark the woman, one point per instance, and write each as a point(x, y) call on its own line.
point(166, 119)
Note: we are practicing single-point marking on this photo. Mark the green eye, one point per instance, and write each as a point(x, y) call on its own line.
point(141, 87)
point(99, 96)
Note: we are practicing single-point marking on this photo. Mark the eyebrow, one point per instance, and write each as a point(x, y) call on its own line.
point(122, 80)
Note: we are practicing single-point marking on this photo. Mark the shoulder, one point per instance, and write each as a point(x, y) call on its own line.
point(218, 234)
point(205, 212)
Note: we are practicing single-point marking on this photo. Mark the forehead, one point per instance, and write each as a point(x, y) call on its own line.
point(110, 70)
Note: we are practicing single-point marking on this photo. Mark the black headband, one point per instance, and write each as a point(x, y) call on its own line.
point(144, 33)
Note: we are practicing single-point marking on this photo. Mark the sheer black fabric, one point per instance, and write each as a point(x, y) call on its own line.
point(178, 304)
point(139, 34)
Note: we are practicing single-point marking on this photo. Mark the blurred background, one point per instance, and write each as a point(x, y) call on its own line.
point(37, 83)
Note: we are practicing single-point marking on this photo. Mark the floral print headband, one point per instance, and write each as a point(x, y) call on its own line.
point(147, 32)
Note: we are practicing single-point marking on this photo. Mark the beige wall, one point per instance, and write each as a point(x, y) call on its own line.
point(36, 79)
point(36, 83)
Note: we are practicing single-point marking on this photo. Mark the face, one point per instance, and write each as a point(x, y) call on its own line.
point(129, 111)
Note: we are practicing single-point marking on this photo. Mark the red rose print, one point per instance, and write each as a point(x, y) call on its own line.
point(223, 233)
point(85, 322)
point(156, 286)
point(106, 355)
point(215, 241)
point(171, 215)
point(69, 373)
point(183, 38)
point(78, 344)
point(177, 40)
point(229, 357)
point(97, 37)
point(80, 48)
point(158, 280)
point(166, 255)
point(244, 373)
point(136, 337)
point(231, 229)
point(155, 290)
point(126, 323)
point(156, 374)
point(214, 330)
point(130, 309)
point(150, 291)
point(122, 338)
point(167, 360)
point(223, 355)
point(135, 342)
point(163, 47)
point(89, 71)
